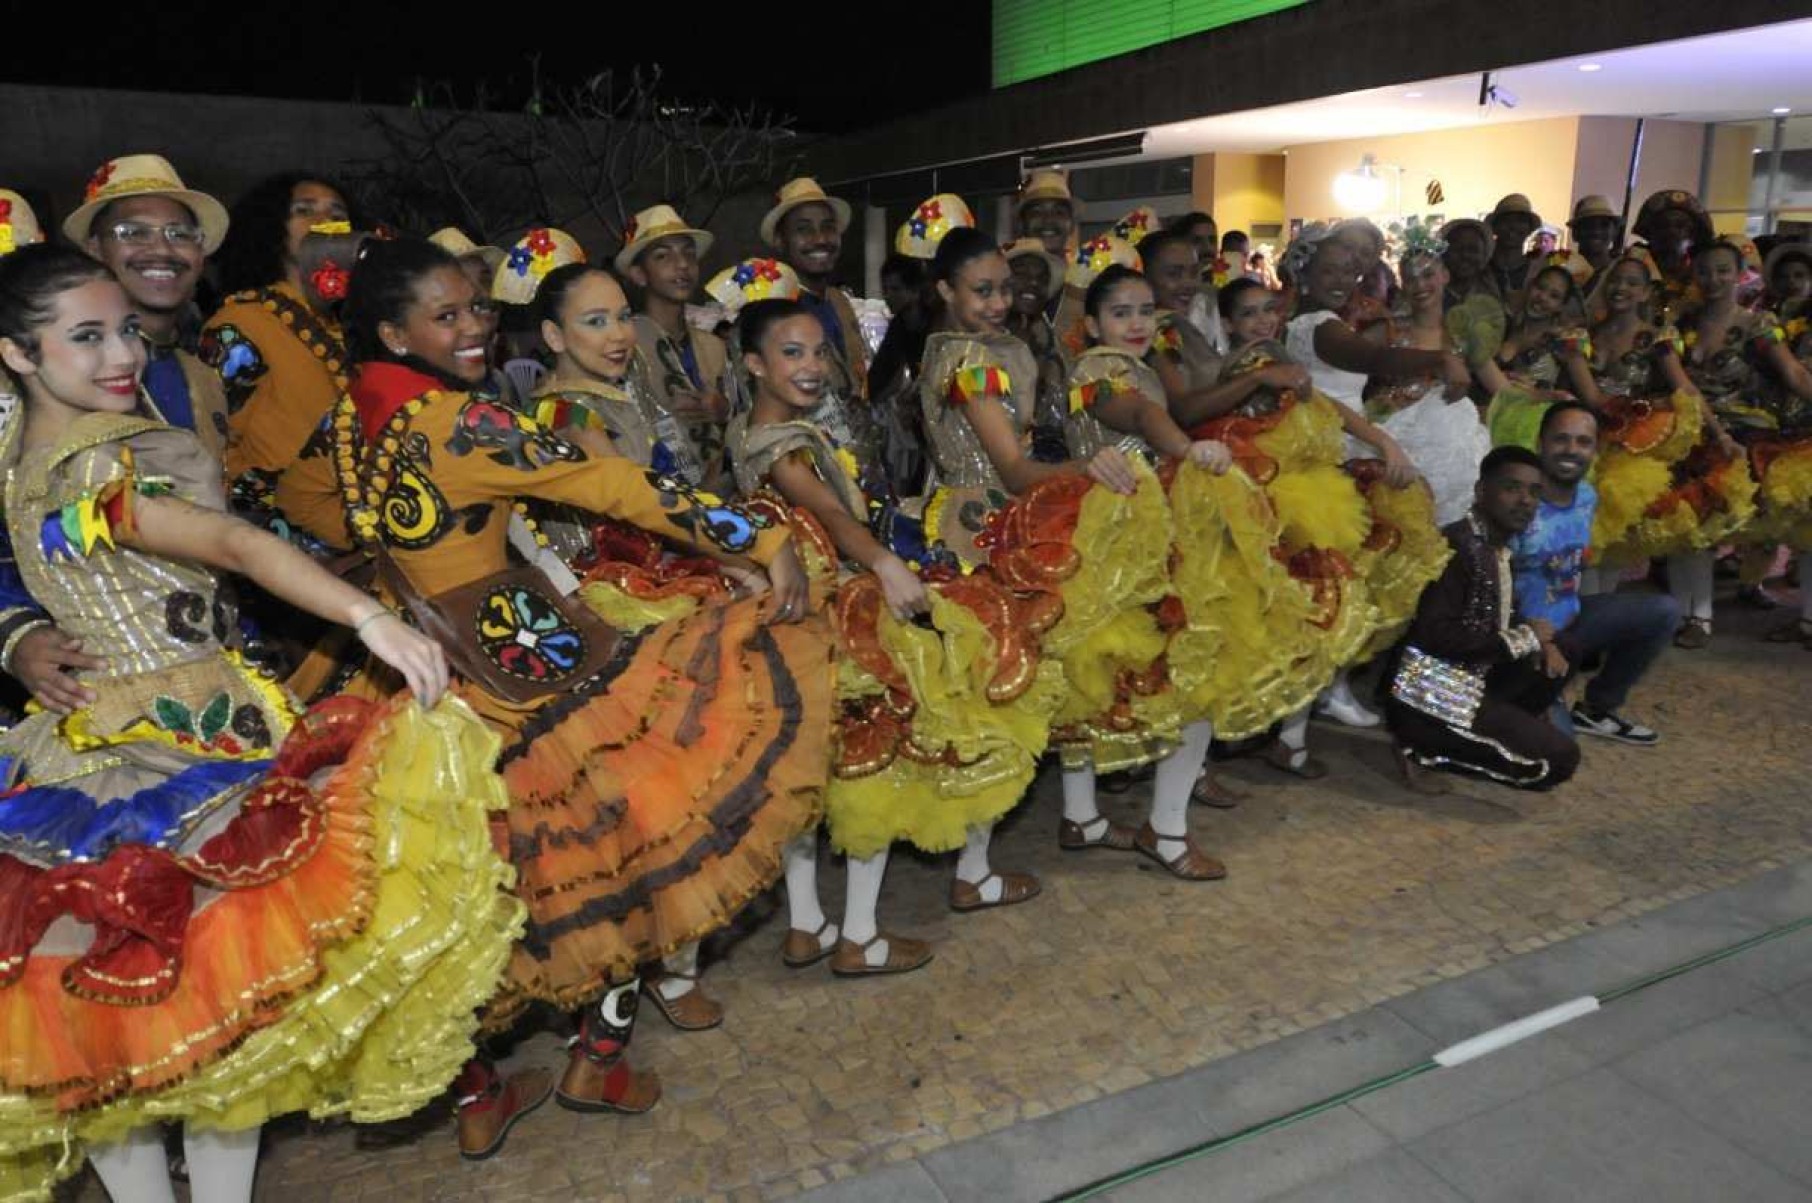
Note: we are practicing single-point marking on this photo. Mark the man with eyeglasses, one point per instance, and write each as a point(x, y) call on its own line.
point(153, 233)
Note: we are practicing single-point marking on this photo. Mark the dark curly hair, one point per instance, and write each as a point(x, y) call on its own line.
point(252, 254)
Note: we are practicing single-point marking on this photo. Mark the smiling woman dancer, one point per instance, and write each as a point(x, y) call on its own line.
point(654, 777)
point(221, 909)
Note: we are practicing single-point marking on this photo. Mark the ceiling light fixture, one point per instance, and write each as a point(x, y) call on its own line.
point(1591, 66)
point(1413, 95)
point(1361, 190)
point(1782, 111)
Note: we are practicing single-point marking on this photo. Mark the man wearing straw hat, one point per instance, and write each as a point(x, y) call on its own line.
point(805, 227)
point(1047, 210)
point(153, 233)
point(1597, 231)
point(1512, 222)
point(660, 256)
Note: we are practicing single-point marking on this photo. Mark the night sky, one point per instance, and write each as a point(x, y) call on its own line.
point(375, 53)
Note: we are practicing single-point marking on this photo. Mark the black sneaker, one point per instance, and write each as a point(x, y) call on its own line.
point(1613, 726)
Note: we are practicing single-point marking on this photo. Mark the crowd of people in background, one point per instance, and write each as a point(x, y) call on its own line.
point(434, 639)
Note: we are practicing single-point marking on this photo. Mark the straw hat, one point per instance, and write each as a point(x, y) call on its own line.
point(1648, 217)
point(538, 252)
point(1046, 183)
point(752, 280)
point(653, 224)
point(1782, 252)
point(1469, 223)
point(1026, 247)
point(145, 175)
point(1096, 256)
point(792, 194)
point(453, 240)
point(1588, 207)
point(18, 224)
point(919, 234)
point(1516, 202)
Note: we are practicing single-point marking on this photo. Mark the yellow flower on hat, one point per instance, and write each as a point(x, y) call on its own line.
point(921, 233)
point(1096, 256)
point(752, 280)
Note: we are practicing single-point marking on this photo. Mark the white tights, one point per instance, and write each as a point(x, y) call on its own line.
point(861, 899)
point(1171, 784)
point(221, 1166)
point(1689, 579)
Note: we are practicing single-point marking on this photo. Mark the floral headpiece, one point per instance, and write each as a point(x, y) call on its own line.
point(18, 224)
point(1096, 256)
point(1137, 224)
point(537, 253)
point(752, 280)
point(1417, 237)
point(1301, 251)
point(919, 235)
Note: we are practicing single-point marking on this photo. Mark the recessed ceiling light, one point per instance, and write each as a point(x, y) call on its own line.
point(1413, 95)
point(1591, 66)
point(1782, 111)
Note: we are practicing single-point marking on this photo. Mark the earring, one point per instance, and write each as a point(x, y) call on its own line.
point(398, 352)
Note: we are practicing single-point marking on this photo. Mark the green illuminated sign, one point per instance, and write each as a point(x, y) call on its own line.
point(1041, 37)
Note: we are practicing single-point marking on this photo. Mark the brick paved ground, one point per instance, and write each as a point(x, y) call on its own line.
point(1342, 893)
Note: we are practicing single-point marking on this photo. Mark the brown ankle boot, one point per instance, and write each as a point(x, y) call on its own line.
point(594, 1083)
point(489, 1105)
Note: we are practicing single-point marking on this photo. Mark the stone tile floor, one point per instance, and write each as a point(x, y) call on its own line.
point(1343, 894)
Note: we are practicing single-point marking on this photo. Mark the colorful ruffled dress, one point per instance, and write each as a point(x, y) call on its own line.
point(1645, 430)
point(1444, 439)
point(217, 908)
point(1534, 372)
point(1783, 460)
point(1711, 496)
point(941, 725)
point(1087, 563)
point(654, 798)
point(1238, 648)
point(1363, 550)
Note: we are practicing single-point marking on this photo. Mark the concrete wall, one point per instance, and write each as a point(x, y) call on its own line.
point(1475, 167)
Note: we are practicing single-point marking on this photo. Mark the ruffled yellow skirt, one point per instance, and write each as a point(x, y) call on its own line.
point(1784, 468)
point(411, 902)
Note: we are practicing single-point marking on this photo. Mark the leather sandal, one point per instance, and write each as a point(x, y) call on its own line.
point(1074, 837)
point(804, 949)
point(1295, 761)
point(1191, 864)
point(1014, 887)
point(692, 1011)
point(1693, 634)
point(903, 956)
point(1211, 789)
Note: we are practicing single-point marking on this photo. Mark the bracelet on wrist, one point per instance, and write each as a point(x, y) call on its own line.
point(358, 628)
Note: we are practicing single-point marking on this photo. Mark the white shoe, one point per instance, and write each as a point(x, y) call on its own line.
point(1340, 705)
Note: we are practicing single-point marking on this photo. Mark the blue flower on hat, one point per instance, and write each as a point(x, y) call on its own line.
point(917, 226)
point(744, 275)
point(519, 260)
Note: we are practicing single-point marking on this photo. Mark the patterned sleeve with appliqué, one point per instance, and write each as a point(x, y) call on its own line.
point(509, 454)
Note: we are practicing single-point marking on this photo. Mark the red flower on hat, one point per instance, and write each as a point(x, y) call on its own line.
point(540, 241)
point(98, 181)
point(768, 270)
point(931, 210)
point(629, 231)
point(6, 209)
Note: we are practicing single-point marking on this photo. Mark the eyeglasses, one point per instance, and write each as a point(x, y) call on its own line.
point(135, 233)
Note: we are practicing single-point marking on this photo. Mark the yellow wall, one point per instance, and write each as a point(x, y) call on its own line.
point(1248, 191)
point(1732, 168)
point(1476, 165)
point(1672, 153)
